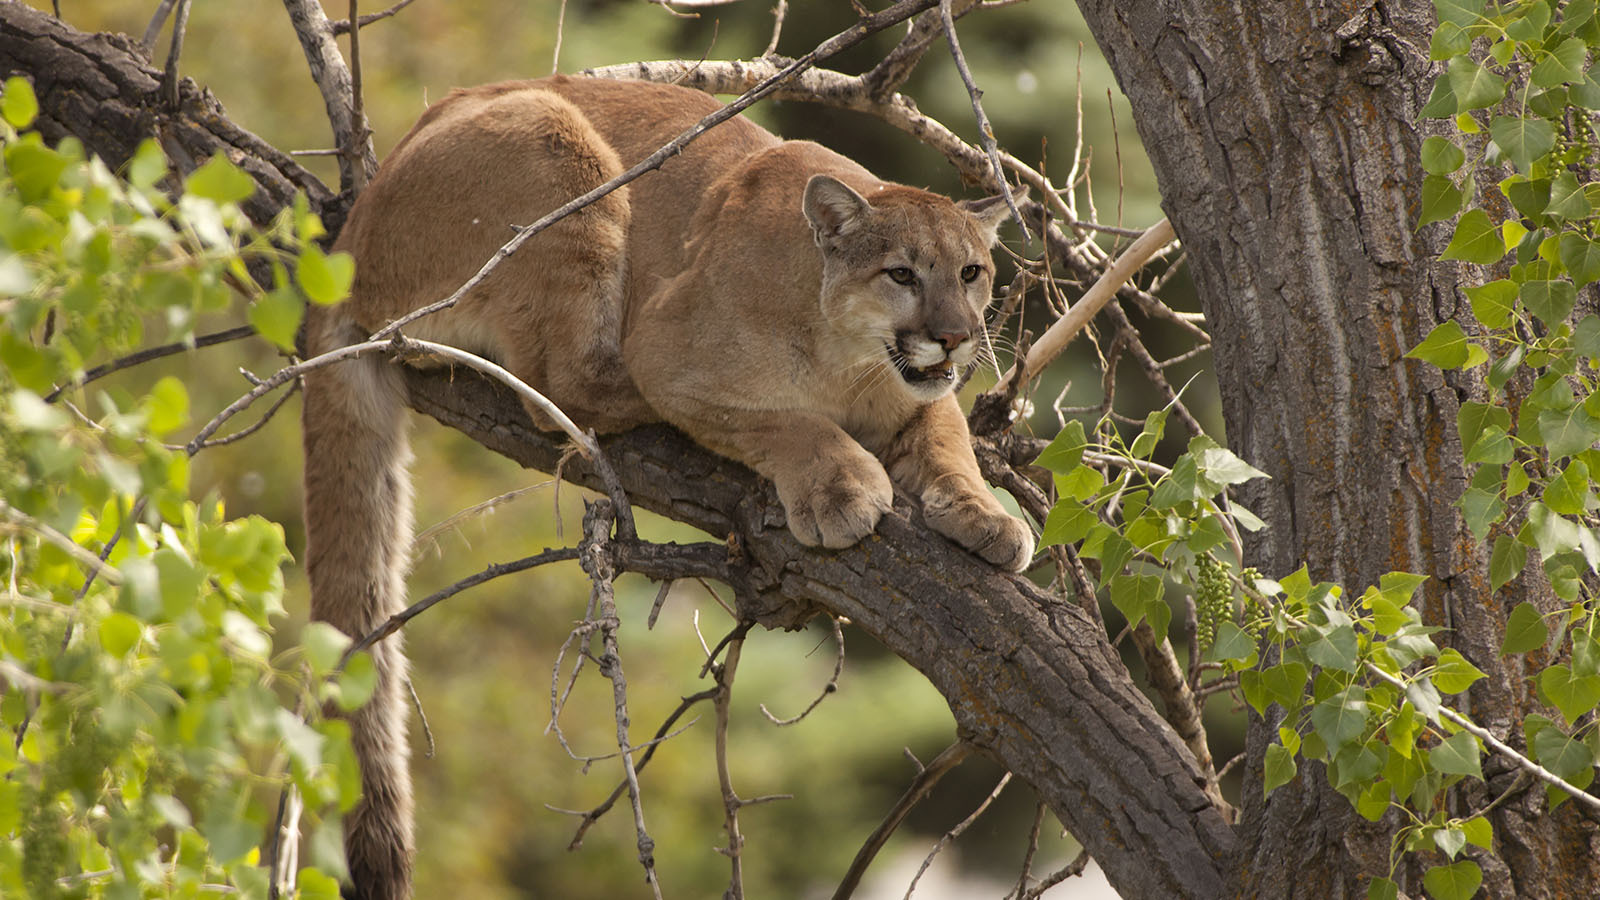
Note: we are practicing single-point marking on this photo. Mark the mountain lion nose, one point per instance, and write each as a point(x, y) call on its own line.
point(950, 340)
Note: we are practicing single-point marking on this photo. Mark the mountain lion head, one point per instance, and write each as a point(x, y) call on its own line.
point(909, 273)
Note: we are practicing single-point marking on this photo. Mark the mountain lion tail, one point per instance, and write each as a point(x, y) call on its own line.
point(358, 533)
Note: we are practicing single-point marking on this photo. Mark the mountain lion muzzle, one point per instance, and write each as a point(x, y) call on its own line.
point(770, 298)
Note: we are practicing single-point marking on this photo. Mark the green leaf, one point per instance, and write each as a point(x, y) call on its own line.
point(1569, 494)
point(1581, 257)
point(1568, 431)
point(1474, 87)
point(1563, 64)
point(1493, 446)
point(1441, 156)
point(18, 104)
point(1279, 767)
point(1458, 881)
point(1446, 345)
point(1441, 101)
point(1528, 197)
point(325, 278)
point(1551, 301)
point(1453, 673)
point(1525, 629)
point(1285, 683)
point(1457, 755)
point(1132, 594)
point(1561, 754)
point(1529, 27)
point(219, 181)
point(1506, 562)
point(1492, 303)
point(1481, 509)
point(1065, 451)
point(1341, 718)
point(1441, 200)
point(1572, 694)
point(1476, 240)
point(1155, 425)
point(1180, 485)
point(1459, 12)
point(1586, 336)
point(357, 682)
point(1586, 93)
point(1233, 643)
point(1069, 522)
point(1218, 468)
point(1567, 198)
point(1335, 650)
point(323, 645)
point(1079, 484)
point(276, 315)
point(1450, 841)
point(1522, 139)
point(1479, 832)
point(119, 633)
point(1551, 533)
point(1473, 417)
point(1383, 889)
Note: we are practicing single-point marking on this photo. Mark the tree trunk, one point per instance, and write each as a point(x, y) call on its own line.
point(1031, 680)
point(1286, 144)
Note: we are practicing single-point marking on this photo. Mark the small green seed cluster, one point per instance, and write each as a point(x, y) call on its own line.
point(1213, 600)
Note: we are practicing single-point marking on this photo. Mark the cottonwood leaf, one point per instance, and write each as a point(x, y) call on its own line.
point(1525, 629)
point(220, 181)
point(1279, 767)
point(1522, 139)
point(1441, 156)
point(1493, 303)
point(1457, 755)
point(18, 104)
point(1458, 881)
point(1065, 451)
point(1563, 64)
point(1453, 673)
point(326, 278)
point(1474, 86)
point(1567, 198)
point(1581, 257)
point(1551, 301)
point(1506, 562)
point(1476, 240)
point(1572, 694)
point(1446, 345)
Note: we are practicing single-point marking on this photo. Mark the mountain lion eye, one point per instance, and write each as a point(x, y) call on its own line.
point(901, 275)
point(970, 273)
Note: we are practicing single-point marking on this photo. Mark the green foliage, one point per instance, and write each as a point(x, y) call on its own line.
point(149, 726)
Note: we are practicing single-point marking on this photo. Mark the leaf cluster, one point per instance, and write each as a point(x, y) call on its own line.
point(150, 726)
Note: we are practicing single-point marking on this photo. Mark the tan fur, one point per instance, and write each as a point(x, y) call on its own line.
point(748, 293)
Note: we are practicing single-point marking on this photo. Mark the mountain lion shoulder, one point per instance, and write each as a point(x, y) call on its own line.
point(770, 298)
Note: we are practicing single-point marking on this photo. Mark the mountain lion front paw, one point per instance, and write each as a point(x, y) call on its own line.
point(836, 503)
point(979, 523)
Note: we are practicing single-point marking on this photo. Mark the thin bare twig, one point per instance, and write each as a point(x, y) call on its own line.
point(1070, 870)
point(343, 25)
point(398, 620)
point(956, 832)
point(593, 815)
point(359, 131)
point(254, 427)
point(829, 688)
point(1033, 847)
point(596, 562)
point(561, 22)
point(147, 44)
point(985, 130)
point(921, 785)
point(169, 76)
point(333, 80)
point(778, 13)
point(730, 799)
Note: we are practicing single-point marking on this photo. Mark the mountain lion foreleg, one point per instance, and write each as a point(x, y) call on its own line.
point(932, 458)
point(832, 489)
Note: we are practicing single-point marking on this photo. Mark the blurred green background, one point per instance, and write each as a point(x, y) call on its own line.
point(482, 662)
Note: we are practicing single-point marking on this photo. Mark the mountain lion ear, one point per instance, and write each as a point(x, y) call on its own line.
point(832, 208)
point(991, 211)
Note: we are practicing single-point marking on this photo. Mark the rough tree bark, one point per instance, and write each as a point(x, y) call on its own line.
point(1032, 681)
point(1285, 141)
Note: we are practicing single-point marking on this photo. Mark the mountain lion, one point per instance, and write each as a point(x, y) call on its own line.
point(770, 298)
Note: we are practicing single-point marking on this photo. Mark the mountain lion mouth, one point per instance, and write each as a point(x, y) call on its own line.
point(940, 372)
